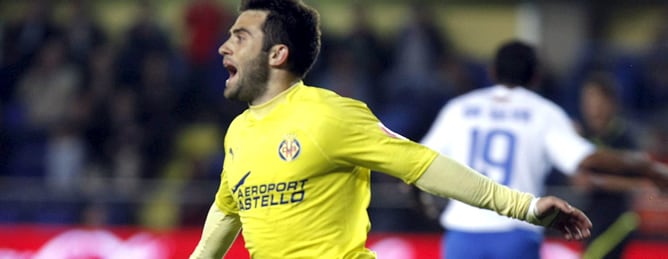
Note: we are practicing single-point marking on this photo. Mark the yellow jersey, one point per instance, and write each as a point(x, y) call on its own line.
point(297, 172)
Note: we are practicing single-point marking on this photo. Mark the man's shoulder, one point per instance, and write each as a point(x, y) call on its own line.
point(320, 110)
point(237, 121)
point(476, 95)
point(327, 102)
point(539, 102)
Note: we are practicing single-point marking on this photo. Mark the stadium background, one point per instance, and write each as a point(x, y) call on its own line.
point(112, 115)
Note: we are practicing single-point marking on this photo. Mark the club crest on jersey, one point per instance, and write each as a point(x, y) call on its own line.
point(289, 148)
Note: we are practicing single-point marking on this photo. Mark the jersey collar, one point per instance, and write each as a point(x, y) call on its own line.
point(261, 110)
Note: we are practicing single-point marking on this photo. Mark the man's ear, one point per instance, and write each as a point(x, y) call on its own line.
point(278, 55)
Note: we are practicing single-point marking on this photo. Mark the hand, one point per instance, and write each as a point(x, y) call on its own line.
point(659, 175)
point(557, 214)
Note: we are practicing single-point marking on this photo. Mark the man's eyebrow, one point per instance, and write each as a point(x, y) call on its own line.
point(240, 30)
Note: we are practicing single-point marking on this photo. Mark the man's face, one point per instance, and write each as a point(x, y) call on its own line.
point(598, 110)
point(244, 59)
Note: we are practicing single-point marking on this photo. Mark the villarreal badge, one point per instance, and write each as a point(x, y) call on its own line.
point(289, 148)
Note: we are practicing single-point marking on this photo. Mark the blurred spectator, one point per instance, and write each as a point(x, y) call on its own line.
point(126, 139)
point(4, 145)
point(418, 49)
point(46, 90)
point(345, 76)
point(21, 42)
point(205, 22)
point(654, 94)
point(609, 197)
point(599, 54)
point(195, 148)
point(42, 105)
point(462, 74)
point(97, 95)
point(144, 36)
point(65, 161)
point(157, 97)
point(117, 177)
point(83, 33)
point(65, 158)
point(355, 63)
point(99, 82)
point(410, 87)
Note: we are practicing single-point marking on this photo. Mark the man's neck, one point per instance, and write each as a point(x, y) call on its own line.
point(507, 85)
point(275, 86)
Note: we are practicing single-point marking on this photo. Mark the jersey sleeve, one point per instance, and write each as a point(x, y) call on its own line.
point(224, 199)
point(565, 148)
point(353, 136)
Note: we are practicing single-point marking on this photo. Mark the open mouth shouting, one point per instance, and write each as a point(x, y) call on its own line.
point(231, 70)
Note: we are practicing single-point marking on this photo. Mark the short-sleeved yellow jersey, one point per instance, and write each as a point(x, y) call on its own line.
point(297, 171)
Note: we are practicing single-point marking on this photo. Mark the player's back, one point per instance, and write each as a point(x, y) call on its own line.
point(509, 135)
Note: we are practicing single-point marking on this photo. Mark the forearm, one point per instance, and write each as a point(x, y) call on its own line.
point(619, 162)
point(449, 179)
point(610, 183)
point(626, 163)
point(219, 233)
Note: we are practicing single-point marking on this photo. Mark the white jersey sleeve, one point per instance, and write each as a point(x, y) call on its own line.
point(563, 145)
point(437, 137)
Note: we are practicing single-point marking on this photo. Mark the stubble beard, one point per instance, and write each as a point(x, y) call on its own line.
point(254, 83)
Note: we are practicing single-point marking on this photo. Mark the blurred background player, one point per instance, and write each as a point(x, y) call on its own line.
point(604, 124)
point(513, 136)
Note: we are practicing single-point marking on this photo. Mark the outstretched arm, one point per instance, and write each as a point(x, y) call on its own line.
point(449, 179)
point(220, 231)
point(626, 163)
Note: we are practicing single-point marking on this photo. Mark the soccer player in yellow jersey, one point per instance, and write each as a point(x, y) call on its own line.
point(296, 172)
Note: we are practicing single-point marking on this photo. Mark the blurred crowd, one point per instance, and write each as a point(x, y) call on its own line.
point(130, 130)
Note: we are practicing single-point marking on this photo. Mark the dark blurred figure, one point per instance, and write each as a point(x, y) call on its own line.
point(598, 54)
point(157, 95)
point(654, 94)
point(49, 143)
point(144, 37)
point(83, 32)
point(359, 58)
point(22, 40)
point(98, 90)
point(188, 176)
point(126, 141)
point(604, 124)
point(205, 24)
point(42, 104)
point(412, 94)
point(344, 76)
point(49, 86)
point(114, 171)
point(5, 145)
point(351, 65)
